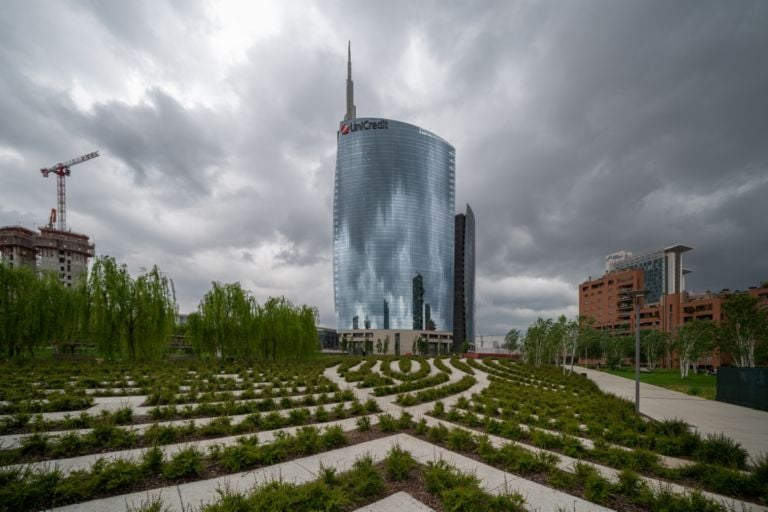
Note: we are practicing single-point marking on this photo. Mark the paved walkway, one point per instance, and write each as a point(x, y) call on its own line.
point(492, 480)
point(747, 426)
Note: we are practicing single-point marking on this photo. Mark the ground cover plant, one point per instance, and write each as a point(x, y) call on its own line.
point(544, 408)
point(436, 393)
point(364, 375)
point(28, 489)
point(194, 420)
point(405, 365)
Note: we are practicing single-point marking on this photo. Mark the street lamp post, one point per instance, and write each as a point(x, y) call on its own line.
point(636, 295)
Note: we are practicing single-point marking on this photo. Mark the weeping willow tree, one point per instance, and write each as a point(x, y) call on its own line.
point(225, 323)
point(128, 318)
point(35, 311)
point(230, 323)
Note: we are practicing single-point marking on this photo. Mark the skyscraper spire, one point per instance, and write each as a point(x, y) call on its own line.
point(351, 110)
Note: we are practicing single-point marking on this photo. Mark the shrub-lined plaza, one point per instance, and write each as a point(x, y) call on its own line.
point(342, 433)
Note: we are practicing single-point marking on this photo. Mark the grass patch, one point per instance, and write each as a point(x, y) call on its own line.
point(697, 384)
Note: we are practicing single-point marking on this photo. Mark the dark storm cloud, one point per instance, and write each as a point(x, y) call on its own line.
point(160, 137)
point(580, 129)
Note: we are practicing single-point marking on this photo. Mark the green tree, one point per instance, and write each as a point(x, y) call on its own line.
point(693, 339)
point(512, 340)
point(538, 340)
point(652, 343)
point(35, 310)
point(744, 329)
point(229, 323)
point(126, 318)
point(616, 347)
point(589, 342)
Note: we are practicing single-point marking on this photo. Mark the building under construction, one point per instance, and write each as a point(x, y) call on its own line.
point(54, 248)
point(65, 253)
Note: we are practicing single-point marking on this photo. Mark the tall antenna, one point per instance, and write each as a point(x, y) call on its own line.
point(351, 110)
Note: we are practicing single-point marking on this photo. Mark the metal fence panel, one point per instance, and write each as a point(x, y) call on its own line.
point(743, 386)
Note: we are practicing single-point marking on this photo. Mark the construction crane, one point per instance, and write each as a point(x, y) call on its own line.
point(62, 171)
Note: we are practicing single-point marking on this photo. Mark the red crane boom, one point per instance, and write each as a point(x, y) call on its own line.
point(61, 170)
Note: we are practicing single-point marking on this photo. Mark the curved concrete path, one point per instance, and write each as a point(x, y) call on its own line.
point(749, 427)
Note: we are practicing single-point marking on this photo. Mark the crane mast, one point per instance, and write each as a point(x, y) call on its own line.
point(61, 170)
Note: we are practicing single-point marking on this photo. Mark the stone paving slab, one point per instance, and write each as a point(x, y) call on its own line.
point(9, 441)
point(308, 468)
point(341, 459)
point(398, 502)
point(71, 464)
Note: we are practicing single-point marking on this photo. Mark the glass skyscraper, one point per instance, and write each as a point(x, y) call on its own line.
point(393, 226)
point(464, 280)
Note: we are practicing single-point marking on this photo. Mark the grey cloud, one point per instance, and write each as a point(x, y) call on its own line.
point(159, 137)
point(579, 129)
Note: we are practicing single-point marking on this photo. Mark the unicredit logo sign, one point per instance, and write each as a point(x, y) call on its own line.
point(346, 128)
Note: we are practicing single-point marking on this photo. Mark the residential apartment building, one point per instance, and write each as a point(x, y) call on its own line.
point(666, 306)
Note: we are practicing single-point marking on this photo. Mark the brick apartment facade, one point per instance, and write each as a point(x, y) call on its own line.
point(602, 300)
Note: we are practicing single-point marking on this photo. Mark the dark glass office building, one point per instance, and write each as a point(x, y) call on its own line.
point(393, 226)
point(464, 280)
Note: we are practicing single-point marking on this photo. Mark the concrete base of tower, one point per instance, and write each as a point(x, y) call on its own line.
point(395, 342)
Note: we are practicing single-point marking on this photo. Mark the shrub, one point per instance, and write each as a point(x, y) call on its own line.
point(460, 439)
point(298, 416)
point(405, 421)
point(722, 450)
point(220, 426)
point(321, 415)
point(236, 457)
point(440, 476)
point(459, 365)
point(363, 423)
point(387, 423)
point(339, 412)
point(760, 471)
point(546, 440)
point(367, 482)
point(273, 420)
point(596, 488)
point(521, 461)
point(398, 463)
point(333, 437)
point(186, 462)
point(67, 445)
point(438, 409)
point(472, 499)
point(307, 440)
point(115, 475)
point(123, 416)
point(36, 444)
point(438, 433)
point(371, 406)
point(440, 365)
point(152, 460)
point(160, 434)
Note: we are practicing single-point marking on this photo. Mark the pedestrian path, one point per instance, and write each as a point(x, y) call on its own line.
point(398, 502)
point(492, 480)
point(748, 427)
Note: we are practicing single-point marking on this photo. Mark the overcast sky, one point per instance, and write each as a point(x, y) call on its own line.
point(580, 128)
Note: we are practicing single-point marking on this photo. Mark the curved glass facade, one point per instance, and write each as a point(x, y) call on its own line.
point(393, 227)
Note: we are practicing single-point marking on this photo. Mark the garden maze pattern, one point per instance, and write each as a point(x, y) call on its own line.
point(344, 433)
